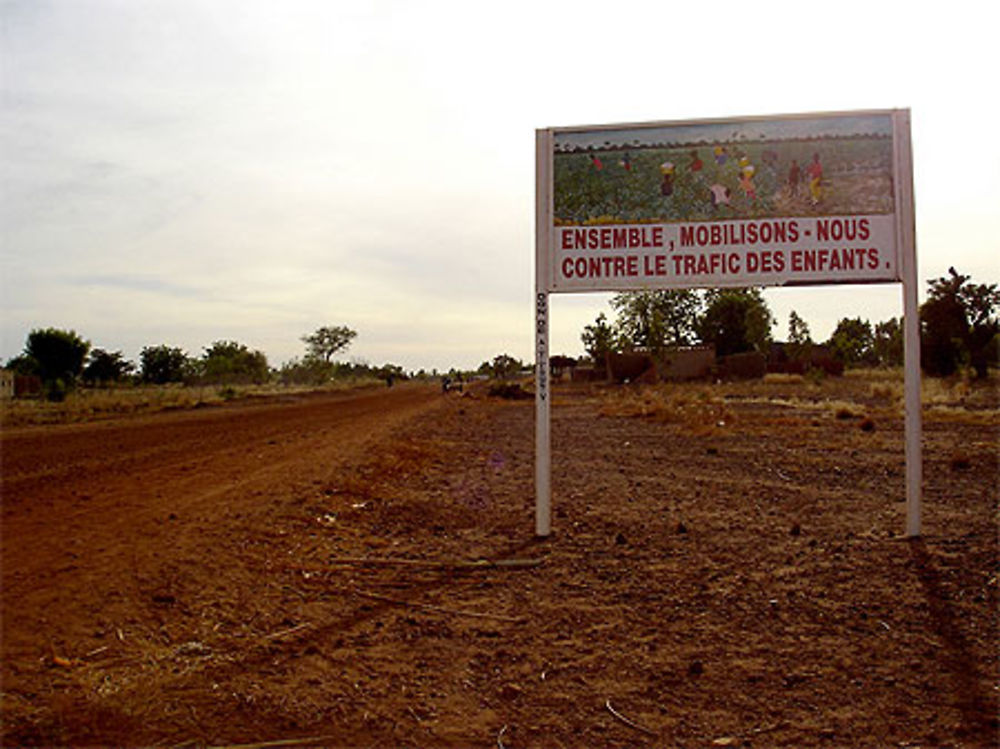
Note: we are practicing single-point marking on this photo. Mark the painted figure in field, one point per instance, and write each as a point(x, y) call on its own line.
point(721, 155)
point(815, 172)
point(719, 195)
point(626, 162)
point(794, 174)
point(746, 181)
point(667, 170)
point(696, 162)
point(596, 161)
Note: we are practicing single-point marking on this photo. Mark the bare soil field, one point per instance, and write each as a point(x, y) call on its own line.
point(727, 568)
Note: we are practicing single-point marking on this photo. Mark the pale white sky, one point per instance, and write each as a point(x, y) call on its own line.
point(184, 171)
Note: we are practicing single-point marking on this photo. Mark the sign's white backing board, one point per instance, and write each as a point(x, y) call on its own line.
point(763, 201)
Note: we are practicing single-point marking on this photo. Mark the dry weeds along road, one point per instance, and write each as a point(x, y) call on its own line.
point(726, 569)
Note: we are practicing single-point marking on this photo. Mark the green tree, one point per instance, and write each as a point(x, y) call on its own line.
point(232, 362)
point(390, 373)
point(654, 320)
point(106, 366)
point(23, 365)
point(162, 364)
point(307, 371)
point(502, 367)
point(329, 340)
point(598, 339)
point(959, 322)
point(59, 355)
point(887, 343)
point(799, 339)
point(736, 321)
point(852, 342)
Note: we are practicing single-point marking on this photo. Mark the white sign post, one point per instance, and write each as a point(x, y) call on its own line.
point(757, 201)
point(903, 158)
point(543, 401)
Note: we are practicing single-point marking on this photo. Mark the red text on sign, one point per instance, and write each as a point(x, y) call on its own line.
point(611, 237)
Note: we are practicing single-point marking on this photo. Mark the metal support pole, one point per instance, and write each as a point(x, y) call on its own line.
point(914, 417)
point(911, 326)
point(543, 399)
point(543, 416)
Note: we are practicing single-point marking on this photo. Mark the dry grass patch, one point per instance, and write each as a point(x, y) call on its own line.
point(694, 407)
point(781, 378)
point(857, 396)
point(91, 404)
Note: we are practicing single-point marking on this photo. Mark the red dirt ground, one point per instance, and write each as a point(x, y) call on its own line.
point(726, 569)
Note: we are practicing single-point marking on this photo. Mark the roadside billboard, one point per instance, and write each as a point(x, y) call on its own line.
point(760, 201)
point(753, 201)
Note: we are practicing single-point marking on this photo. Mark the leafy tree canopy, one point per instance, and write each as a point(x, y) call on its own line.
point(308, 371)
point(598, 339)
point(329, 340)
point(799, 338)
point(230, 362)
point(887, 342)
point(59, 354)
point(23, 364)
point(736, 321)
point(162, 364)
point(959, 322)
point(654, 320)
point(502, 367)
point(104, 366)
point(798, 329)
point(852, 341)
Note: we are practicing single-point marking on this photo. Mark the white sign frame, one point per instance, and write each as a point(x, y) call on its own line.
point(897, 262)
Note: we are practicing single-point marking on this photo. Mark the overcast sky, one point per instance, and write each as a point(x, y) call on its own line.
point(187, 171)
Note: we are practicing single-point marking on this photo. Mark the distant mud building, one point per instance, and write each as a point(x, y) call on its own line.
point(673, 364)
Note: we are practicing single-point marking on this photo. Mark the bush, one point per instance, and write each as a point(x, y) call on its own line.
point(105, 367)
point(308, 371)
point(959, 325)
point(232, 362)
point(162, 364)
point(508, 391)
point(58, 357)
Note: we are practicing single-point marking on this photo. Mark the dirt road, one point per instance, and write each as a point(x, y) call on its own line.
point(726, 569)
point(88, 484)
point(103, 521)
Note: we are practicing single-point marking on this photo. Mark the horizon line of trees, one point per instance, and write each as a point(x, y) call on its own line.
point(959, 327)
point(62, 360)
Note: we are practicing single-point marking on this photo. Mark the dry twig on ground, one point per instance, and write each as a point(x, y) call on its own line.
point(305, 741)
point(628, 722)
